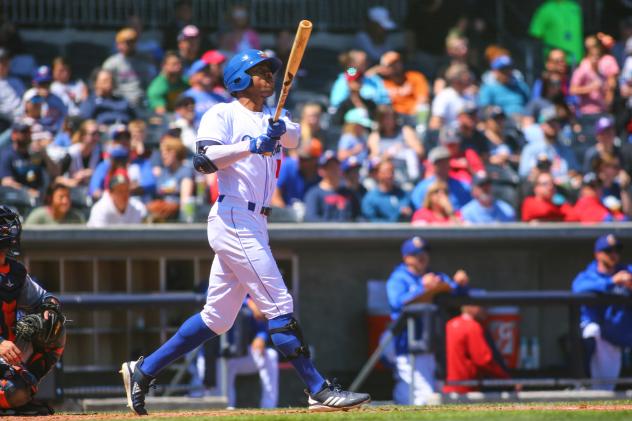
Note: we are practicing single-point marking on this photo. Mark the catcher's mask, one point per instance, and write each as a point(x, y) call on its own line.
point(10, 230)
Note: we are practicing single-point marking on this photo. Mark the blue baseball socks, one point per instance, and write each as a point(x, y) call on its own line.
point(191, 334)
point(288, 340)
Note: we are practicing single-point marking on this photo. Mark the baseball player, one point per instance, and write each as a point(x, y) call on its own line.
point(409, 282)
point(605, 329)
point(240, 142)
point(32, 335)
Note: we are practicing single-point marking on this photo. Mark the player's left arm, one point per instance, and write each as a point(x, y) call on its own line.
point(285, 130)
point(292, 134)
point(31, 296)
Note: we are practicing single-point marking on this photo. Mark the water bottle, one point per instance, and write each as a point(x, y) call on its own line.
point(535, 352)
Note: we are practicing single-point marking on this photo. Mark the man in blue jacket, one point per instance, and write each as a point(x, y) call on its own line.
point(411, 281)
point(605, 329)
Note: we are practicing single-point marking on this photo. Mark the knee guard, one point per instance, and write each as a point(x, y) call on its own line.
point(287, 336)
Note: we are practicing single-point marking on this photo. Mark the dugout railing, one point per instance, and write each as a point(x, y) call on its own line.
point(434, 317)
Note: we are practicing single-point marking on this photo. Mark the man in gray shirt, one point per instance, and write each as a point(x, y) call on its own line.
point(132, 71)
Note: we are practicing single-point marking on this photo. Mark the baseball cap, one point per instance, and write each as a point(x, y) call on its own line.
point(36, 99)
point(43, 75)
point(449, 135)
point(189, 31)
point(358, 116)
point(351, 163)
point(493, 111)
point(468, 108)
point(590, 179)
point(119, 177)
point(548, 114)
point(381, 16)
point(184, 101)
point(326, 157)
point(543, 162)
point(213, 57)
point(502, 62)
point(608, 242)
point(414, 246)
point(438, 153)
point(604, 123)
point(390, 57)
point(197, 66)
point(480, 179)
point(126, 34)
point(311, 149)
point(118, 152)
point(352, 74)
point(20, 126)
point(118, 130)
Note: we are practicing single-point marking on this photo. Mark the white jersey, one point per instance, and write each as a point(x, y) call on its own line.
point(253, 178)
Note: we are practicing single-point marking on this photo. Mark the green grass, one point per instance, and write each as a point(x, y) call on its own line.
point(486, 412)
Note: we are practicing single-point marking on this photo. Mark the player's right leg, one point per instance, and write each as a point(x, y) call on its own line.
point(223, 301)
point(247, 253)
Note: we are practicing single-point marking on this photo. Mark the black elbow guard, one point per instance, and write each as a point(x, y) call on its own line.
point(203, 164)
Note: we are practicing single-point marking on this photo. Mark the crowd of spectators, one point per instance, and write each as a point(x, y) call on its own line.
point(474, 143)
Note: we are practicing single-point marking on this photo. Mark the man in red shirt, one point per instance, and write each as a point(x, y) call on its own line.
point(468, 354)
point(542, 205)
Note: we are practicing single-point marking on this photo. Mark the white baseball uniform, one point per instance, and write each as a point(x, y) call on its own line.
point(237, 230)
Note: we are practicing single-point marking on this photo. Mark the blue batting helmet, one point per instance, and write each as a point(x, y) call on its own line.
point(235, 77)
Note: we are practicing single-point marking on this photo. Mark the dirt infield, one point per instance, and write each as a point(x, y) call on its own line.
point(378, 411)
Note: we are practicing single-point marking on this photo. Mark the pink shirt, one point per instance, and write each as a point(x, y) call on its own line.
point(594, 101)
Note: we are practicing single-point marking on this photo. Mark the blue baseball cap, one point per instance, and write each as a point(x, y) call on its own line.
point(414, 246)
point(326, 157)
point(117, 130)
point(604, 123)
point(43, 75)
point(197, 66)
point(607, 242)
point(502, 62)
point(118, 152)
point(351, 163)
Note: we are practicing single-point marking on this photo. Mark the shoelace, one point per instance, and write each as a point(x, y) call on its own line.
point(334, 386)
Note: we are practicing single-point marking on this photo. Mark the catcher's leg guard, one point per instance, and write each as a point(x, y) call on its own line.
point(287, 337)
point(17, 386)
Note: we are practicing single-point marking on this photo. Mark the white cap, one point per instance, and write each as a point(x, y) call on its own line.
point(381, 16)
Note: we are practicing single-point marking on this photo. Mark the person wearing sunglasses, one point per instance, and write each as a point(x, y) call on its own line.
point(606, 329)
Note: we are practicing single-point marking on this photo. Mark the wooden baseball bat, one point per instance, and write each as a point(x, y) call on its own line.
point(293, 62)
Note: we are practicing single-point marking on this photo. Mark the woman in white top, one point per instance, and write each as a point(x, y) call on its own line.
point(72, 93)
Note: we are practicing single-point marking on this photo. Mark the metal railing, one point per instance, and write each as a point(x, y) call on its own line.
point(331, 15)
point(571, 301)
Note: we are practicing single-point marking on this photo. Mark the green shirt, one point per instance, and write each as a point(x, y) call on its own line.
point(42, 216)
point(558, 23)
point(162, 93)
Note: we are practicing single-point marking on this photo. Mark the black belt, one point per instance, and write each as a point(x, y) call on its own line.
point(251, 206)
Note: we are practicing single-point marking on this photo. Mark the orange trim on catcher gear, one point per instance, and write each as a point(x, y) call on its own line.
point(8, 309)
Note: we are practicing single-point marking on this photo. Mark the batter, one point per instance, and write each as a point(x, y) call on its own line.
point(230, 142)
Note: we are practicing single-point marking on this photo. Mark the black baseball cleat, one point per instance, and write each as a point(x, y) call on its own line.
point(332, 398)
point(136, 384)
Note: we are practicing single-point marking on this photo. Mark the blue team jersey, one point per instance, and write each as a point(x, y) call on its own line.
point(615, 320)
point(402, 287)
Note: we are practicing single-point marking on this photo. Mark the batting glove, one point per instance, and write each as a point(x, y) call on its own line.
point(276, 129)
point(263, 144)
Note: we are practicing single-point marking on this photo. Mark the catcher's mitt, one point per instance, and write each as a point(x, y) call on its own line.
point(35, 329)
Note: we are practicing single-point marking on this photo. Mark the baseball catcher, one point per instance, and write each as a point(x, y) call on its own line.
point(32, 334)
